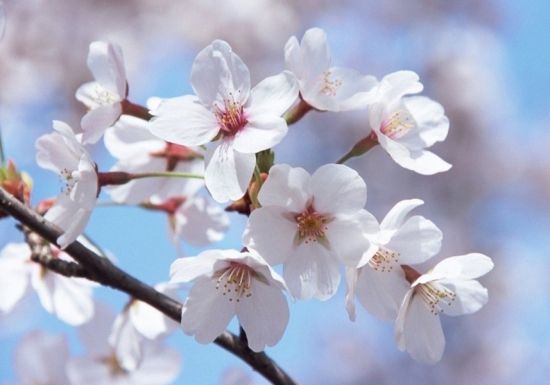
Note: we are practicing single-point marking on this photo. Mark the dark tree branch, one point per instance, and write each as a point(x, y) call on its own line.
point(105, 272)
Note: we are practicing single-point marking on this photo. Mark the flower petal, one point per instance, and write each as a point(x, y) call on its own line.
point(160, 365)
point(311, 271)
point(431, 123)
point(347, 240)
point(184, 120)
point(126, 342)
point(469, 266)
point(190, 268)
point(273, 95)
point(130, 137)
point(96, 121)
point(315, 53)
point(218, 72)
point(260, 133)
point(351, 286)
point(228, 172)
point(14, 274)
point(395, 218)
point(87, 94)
point(206, 311)
point(286, 187)
point(470, 296)
point(338, 189)
point(263, 315)
point(107, 65)
point(72, 300)
point(396, 84)
point(270, 233)
point(416, 241)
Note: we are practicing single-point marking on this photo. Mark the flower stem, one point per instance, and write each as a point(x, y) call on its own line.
point(136, 110)
point(360, 148)
point(297, 112)
point(165, 174)
point(256, 189)
point(2, 154)
point(121, 177)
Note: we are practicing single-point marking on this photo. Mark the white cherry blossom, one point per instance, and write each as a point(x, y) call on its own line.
point(406, 126)
point(245, 120)
point(62, 152)
point(310, 223)
point(158, 365)
point(379, 282)
point(70, 299)
point(450, 288)
point(138, 151)
point(104, 95)
point(40, 358)
point(322, 86)
point(229, 283)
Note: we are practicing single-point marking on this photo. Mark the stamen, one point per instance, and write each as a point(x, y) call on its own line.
point(398, 124)
point(435, 295)
point(70, 178)
point(235, 281)
point(104, 97)
point(230, 116)
point(311, 225)
point(330, 86)
point(384, 260)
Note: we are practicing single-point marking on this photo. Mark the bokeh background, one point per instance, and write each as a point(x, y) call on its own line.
point(486, 61)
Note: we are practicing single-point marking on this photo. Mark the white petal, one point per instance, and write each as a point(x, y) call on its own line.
point(260, 133)
point(96, 121)
point(130, 137)
point(470, 296)
point(469, 266)
point(416, 241)
point(72, 300)
point(14, 274)
point(199, 222)
point(338, 189)
point(347, 240)
point(311, 271)
point(351, 284)
point(271, 233)
point(393, 86)
point(184, 120)
point(273, 95)
point(315, 53)
point(147, 320)
point(228, 172)
point(88, 371)
point(422, 333)
point(94, 334)
point(217, 71)
point(286, 187)
point(432, 124)
point(107, 65)
point(70, 217)
point(381, 293)
point(263, 316)
point(126, 342)
point(87, 94)
point(160, 366)
point(53, 153)
point(395, 218)
point(206, 311)
point(293, 57)
point(188, 269)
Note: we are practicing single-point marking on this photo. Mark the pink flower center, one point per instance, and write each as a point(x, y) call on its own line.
point(397, 125)
point(235, 281)
point(311, 225)
point(435, 296)
point(230, 116)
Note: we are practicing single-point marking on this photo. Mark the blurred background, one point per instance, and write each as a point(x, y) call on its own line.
point(485, 62)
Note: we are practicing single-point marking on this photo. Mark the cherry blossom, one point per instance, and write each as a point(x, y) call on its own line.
point(70, 299)
point(246, 121)
point(40, 358)
point(63, 153)
point(158, 365)
point(322, 86)
point(229, 283)
point(138, 151)
point(405, 126)
point(450, 288)
point(104, 95)
point(379, 281)
point(310, 223)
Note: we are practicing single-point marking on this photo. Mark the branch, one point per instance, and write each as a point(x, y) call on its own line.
point(105, 272)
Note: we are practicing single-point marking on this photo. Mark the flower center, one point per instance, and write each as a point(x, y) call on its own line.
point(71, 178)
point(435, 295)
point(398, 124)
point(115, 369)
point(230, 116)
point(329, 85)
point(104, 97)
point(384, 260)
point(311, 226)
point(235, 281)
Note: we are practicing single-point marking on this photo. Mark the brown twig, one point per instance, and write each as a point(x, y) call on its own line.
point(105, 272)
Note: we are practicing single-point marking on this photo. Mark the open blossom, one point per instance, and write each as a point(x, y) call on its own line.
point(406, 126)
point(379, 281)
point(450, 288)
point(70, 299)
point(322, 86)
point(104, 95)
point(246, 121)
point(40, 358)
point(138, 151)
point(310, 223)
point(229, 283)
point(63, 153)
point(158, 365)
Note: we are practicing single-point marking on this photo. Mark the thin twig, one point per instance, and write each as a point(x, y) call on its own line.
point(105, 272)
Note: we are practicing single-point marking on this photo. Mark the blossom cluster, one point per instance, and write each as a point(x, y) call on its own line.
point(312, 225)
